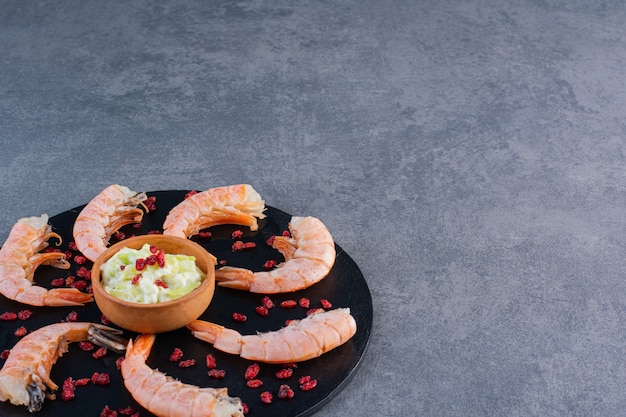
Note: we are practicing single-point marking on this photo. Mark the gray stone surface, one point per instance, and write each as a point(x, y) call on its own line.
point(469, 156)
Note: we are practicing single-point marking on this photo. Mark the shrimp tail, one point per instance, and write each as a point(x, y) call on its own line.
point(142, 345)
point(234, 277)
point(226, 340)
point(205, 330)
point(66, 297)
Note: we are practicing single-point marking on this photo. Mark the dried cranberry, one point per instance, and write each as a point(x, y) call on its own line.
point(176, 355)
point(136, 279)
point(239, 317)
point(84, 273)
point(107, 412)
point(82, 382)
point(20, 331)
point(160, 283)
point(285, 391)
point(267, 302)
point(269, 264)
point(308, 385)
point(288, 304)
point(100, 378)
point(254, 383)
point(304, 302)
point(326, 304)
point(237, 234)
point(151, 260)
point(79, 285)
point(69, 280)
point(262, 311)
point(24, 314)
point(211, 363)
point(161, 258)
point(86, 346)
point(252, 371)
point(58, 282)
point(266, 397)
point(72, 316)
point(187, 363)
point(217, 373)
point(153, 249)
point(99, 353)
point(80, 260)
point(140, 264)
point(237, 246)
point(284, 373)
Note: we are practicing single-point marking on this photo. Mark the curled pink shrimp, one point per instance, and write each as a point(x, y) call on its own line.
point(113, 208)
point(234, 204)
point(299, 341)
point(165, 396)
point(309, 256)
point(21, 255)
point(26, 373)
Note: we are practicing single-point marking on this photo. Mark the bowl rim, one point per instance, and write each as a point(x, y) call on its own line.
point(97, 286)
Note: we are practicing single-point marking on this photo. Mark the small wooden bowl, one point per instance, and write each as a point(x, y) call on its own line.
point(157, 317)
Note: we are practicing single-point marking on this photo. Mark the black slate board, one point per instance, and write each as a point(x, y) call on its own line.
point(345, 286)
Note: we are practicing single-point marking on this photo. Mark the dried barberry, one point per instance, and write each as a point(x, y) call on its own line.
point(239, 317)
point(266, 397)
point(217, 373)
point(267, 302)
point(304, 302)
point(269, 264)
point(107, 412)
point(262, 311)
point(288, 304)
point(211, 363)
point(326, 304)
point(101, 352)
point(100, 378)
point(254, 383)
point(20, 331)
point(284, 373)
point(24, 314)
point(8, 316)
point(237, 234)
point(72, 316)
point(252, 371)
point(57, 282)
point(5, 354)
point(176, 355)
point(86, 346)
point(285, 391)
point(80, 260)
point(186, 363)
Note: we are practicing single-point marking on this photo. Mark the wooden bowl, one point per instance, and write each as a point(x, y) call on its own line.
point(157, 317)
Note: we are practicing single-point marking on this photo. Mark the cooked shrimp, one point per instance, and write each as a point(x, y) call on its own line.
point(113, 208)
point(234, 204)
point(301, 340)
point(165, 396)
point(26, 372)
point(19, 258)
point(309, 256)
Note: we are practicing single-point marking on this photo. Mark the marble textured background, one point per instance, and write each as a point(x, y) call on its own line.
point(469, 156)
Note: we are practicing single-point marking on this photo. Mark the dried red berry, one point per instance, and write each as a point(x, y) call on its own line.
point(270, 240)
point(190, 193)
point(304, 302)
point(187, 363)
point(126, 411)
point(136, 279)
point(100, 378)
point(217, 373)
point(80, 260)
point(153, 249)
point(58, 282)
point(239, 317)
point(67, 395)
point(237, 246)
point(252, 371)
point(304, 379)
point(20, 331)
point(79, 285)
point(285, 391)
point(72, 316)
point(245, 408)
point(118, 362)
point(107, 412)
point(269, 264)
point(204, 235)
point(326, 304)
point(249, 245)
point(151, 260)
point(308, 385)
point(211, 363)
point(86, 346)
point(176, 355)
point(314, 311)
point(82, 382)
point(140, 264)
point(5, 354)
point(288, 304)
point(150, 203)
point(266, 397)
point(8, 316)
point(72, 246)
point(267, 302)
point(160, 283)
point(104, 320)
point(161, 258)
point(237, 234)
point(284, 373)
point(99, 353)
point(84, 273)
point(24, 314)
point(119, 235)
point(69, 280)
point(69, 255)
point(262, 311)
point(254, 383)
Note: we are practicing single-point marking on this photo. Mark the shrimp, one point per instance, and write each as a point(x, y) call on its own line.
point(19, 258)
point(165, 396)
point(26, 372)
point(114, 207)
point(309, 256)
point(299, 341)
point(234, 204)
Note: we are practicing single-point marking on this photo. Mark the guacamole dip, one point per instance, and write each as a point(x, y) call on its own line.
point(149, 275)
